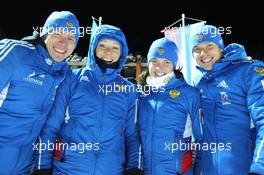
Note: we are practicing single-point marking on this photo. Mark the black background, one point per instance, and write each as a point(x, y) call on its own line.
point(141, 21)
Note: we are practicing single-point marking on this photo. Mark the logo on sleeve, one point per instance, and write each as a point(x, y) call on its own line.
point(224, 98)
point(174, 93)
point(260, 70)
point(34, 79)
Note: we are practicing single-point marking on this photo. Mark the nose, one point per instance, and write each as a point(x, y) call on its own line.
point(108, 50)
point(63, 42)
point(202, 52)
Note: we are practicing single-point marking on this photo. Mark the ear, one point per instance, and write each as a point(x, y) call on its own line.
point(44, 37)
point(222, 52)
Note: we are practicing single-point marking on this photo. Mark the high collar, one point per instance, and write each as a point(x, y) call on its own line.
point(104, 66)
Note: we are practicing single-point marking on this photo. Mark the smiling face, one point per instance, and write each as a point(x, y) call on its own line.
point(60, 45)
point(108, 50)
point(160, 67)
point(207, 54)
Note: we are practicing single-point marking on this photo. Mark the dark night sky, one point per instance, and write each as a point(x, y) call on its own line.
point(141, 23)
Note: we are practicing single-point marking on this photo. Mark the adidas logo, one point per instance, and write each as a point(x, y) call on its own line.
point(48, 61)
point(222, 84)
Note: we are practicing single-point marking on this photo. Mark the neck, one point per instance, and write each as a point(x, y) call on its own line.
point(103, 66)
point(159, 81)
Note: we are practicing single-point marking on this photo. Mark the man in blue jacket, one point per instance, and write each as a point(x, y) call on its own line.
point(30, 73)
point(98, 135)
point(232, 90)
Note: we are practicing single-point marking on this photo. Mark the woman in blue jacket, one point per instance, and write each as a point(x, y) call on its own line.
point(98, 135)
point(30, 73)
point(232, 90)
point(168, 113)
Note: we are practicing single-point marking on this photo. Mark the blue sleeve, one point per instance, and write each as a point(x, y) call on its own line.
point(7, 62)
point(43, 157)
point(255, 102)
point(132, 135)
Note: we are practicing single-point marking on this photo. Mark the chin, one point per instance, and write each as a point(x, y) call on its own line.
point(59, 59)
point(208, 67)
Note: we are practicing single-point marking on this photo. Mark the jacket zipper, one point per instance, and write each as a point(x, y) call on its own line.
point(152, 136)
point(213, 114)
point(100, 131)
